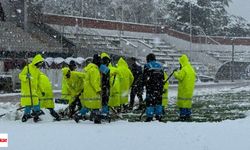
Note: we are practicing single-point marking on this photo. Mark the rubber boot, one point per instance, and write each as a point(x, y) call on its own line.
point(77, 117)
point(36, 116)
point(54, 114)
point(97, 116)
point(149, 119)
point(26, 117)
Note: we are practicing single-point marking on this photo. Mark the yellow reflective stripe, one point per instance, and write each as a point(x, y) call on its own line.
point(28, 96)
point(182, 98)
point(97, 99)
point(46, 98)
point(65, 94)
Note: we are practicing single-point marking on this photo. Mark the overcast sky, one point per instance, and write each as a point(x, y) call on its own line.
point(240, 8)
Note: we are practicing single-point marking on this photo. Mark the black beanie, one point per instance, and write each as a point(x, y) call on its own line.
point(96, 59)
point(72, 63)
point(150, 57)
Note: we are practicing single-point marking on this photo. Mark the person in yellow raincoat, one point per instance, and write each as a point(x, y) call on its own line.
point(73, 87)
point(112, 85)
point(66, 97)
point(165, 92)
point(186, 77)
point(126, 80)
point(46, 96)
point(29, 77)
point(91, 96)
point(115, 92)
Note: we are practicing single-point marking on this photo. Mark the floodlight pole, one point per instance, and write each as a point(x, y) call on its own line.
point(25, 17)
point(232, 63)
point(190, 29)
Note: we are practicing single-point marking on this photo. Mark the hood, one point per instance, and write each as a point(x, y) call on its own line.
point(104, 55)
point(38, 58)
point(89, 66)
point(122, 63)
point(183, 60)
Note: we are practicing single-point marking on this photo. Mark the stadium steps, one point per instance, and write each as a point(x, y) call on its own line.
point(15, 38)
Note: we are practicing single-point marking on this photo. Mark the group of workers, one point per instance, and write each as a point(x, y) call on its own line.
point(101, 87)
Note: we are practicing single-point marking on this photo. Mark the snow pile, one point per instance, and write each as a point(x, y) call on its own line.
point(10, 110)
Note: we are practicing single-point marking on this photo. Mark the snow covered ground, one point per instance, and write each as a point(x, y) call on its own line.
point(124, 135)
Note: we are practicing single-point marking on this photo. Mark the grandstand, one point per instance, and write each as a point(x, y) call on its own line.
point(60, 36)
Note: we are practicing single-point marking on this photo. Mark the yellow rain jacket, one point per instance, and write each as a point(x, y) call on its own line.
point(126, 79)
point(115, 92)
point(74, 84)
point(34, 78)
point(186, 82)
point(66, 95)
point(165, 91)
point(91, 98)
point(46, 100)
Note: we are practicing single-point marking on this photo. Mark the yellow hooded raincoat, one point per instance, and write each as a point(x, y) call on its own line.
point(165, 91)
point(186, 83)
point(91, 97)
point(34, 78)
point(114, 97)
point(65, 88)
point(72, 86)
point(46, 100)
point(126, 79)
point(115, 92)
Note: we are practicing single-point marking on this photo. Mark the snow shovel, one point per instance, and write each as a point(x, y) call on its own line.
point(20, 108)
point(115, 112)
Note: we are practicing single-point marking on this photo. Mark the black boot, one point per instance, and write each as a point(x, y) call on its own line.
point(26, 117)
point(77, 118)
point(97, 120)
point(97, 117)
point(149, 119)
point(36, 116)
point(158, 118)
point(54, 114)
point(182, 118)
point(188, 118)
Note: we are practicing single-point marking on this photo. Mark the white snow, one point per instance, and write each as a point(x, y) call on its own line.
point(123, 135)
